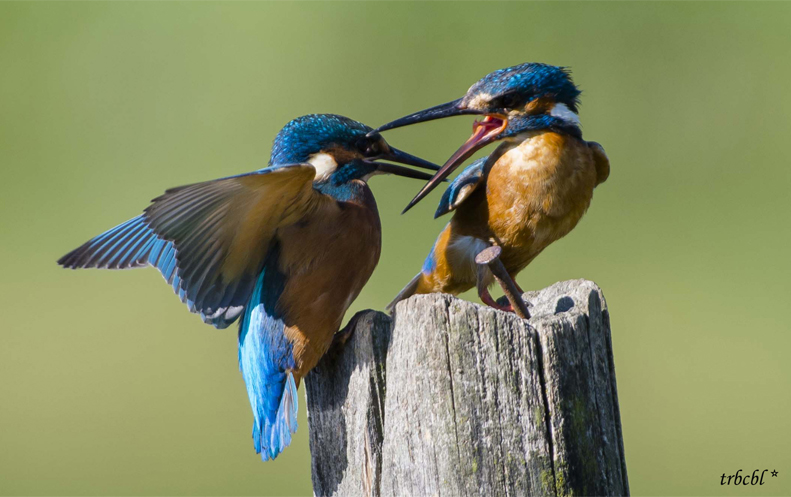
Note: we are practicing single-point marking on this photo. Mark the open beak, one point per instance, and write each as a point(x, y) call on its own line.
point(483, 133)
point(383, 168)
point(401, 157)
point(455, 108)
point(395, 155)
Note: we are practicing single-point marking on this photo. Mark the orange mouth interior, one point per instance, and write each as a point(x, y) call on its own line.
point(483, 132)
point(487, 129)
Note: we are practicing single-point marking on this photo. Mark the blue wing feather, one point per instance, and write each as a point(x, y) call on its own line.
point(187, 234)
point(265, 358)
point(461, 187)
point(134, 244)
point(217, 265)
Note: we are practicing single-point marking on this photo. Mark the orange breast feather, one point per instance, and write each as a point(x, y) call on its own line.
point(537, 192)
point(327, 258)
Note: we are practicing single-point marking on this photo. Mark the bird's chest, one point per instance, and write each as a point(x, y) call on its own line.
point(537, 191)
point(332, 255)
point(328, 258)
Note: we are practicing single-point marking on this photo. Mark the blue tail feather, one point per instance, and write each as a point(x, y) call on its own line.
point(271, 437)
point(266, 361)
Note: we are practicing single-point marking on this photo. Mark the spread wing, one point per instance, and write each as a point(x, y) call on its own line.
point(134, 244)
point(461, 187)
point(208, 239)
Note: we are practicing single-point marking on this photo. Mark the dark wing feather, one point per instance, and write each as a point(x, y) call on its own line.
point(133, 244)
point(461, 187)
point(209, 239)
point(125, 246)
point(221, 230)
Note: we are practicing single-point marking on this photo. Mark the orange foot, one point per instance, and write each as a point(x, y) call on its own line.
point(487, 299)
point(340, 337)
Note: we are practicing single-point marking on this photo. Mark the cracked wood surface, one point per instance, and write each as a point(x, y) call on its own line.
point(453, 398)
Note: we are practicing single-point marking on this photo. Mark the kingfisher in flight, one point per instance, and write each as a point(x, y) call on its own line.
point(530, 191)
point(285, 250)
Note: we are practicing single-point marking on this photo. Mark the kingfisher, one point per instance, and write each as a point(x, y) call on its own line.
point(530, 191)
point(285, 250)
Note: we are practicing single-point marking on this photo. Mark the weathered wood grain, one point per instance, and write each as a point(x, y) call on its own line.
point(453, 398)
point(345, 410)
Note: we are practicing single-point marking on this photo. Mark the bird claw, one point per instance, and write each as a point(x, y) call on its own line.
point(341, 337)
point(487, 299)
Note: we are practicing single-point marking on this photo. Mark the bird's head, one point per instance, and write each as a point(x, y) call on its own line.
point(516, 100)
point(341, 150)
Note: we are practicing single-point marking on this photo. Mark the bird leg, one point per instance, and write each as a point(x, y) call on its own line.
point(484, 279)
point(489, 258)
point(487, 299)
point(340, 337)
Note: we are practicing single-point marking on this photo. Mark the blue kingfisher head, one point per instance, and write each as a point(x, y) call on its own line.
point(341, 150)
point(516, 101)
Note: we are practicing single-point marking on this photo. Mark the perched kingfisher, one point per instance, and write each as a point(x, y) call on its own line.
point(285, 249)
point(531, 191)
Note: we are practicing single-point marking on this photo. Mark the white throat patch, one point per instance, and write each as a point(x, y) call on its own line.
point(563, 112)
point(324, 164)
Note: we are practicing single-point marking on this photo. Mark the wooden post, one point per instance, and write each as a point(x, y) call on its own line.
point(453, 398)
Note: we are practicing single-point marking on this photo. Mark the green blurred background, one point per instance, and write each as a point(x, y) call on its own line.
point(109, 386)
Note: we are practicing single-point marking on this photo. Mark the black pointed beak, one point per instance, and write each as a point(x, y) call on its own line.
point(484, 132)
point(454, 108)
point(400, 171)
point(395, 155)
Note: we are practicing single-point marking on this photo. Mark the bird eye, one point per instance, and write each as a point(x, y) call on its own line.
point(509, 101)
point(370, 148)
